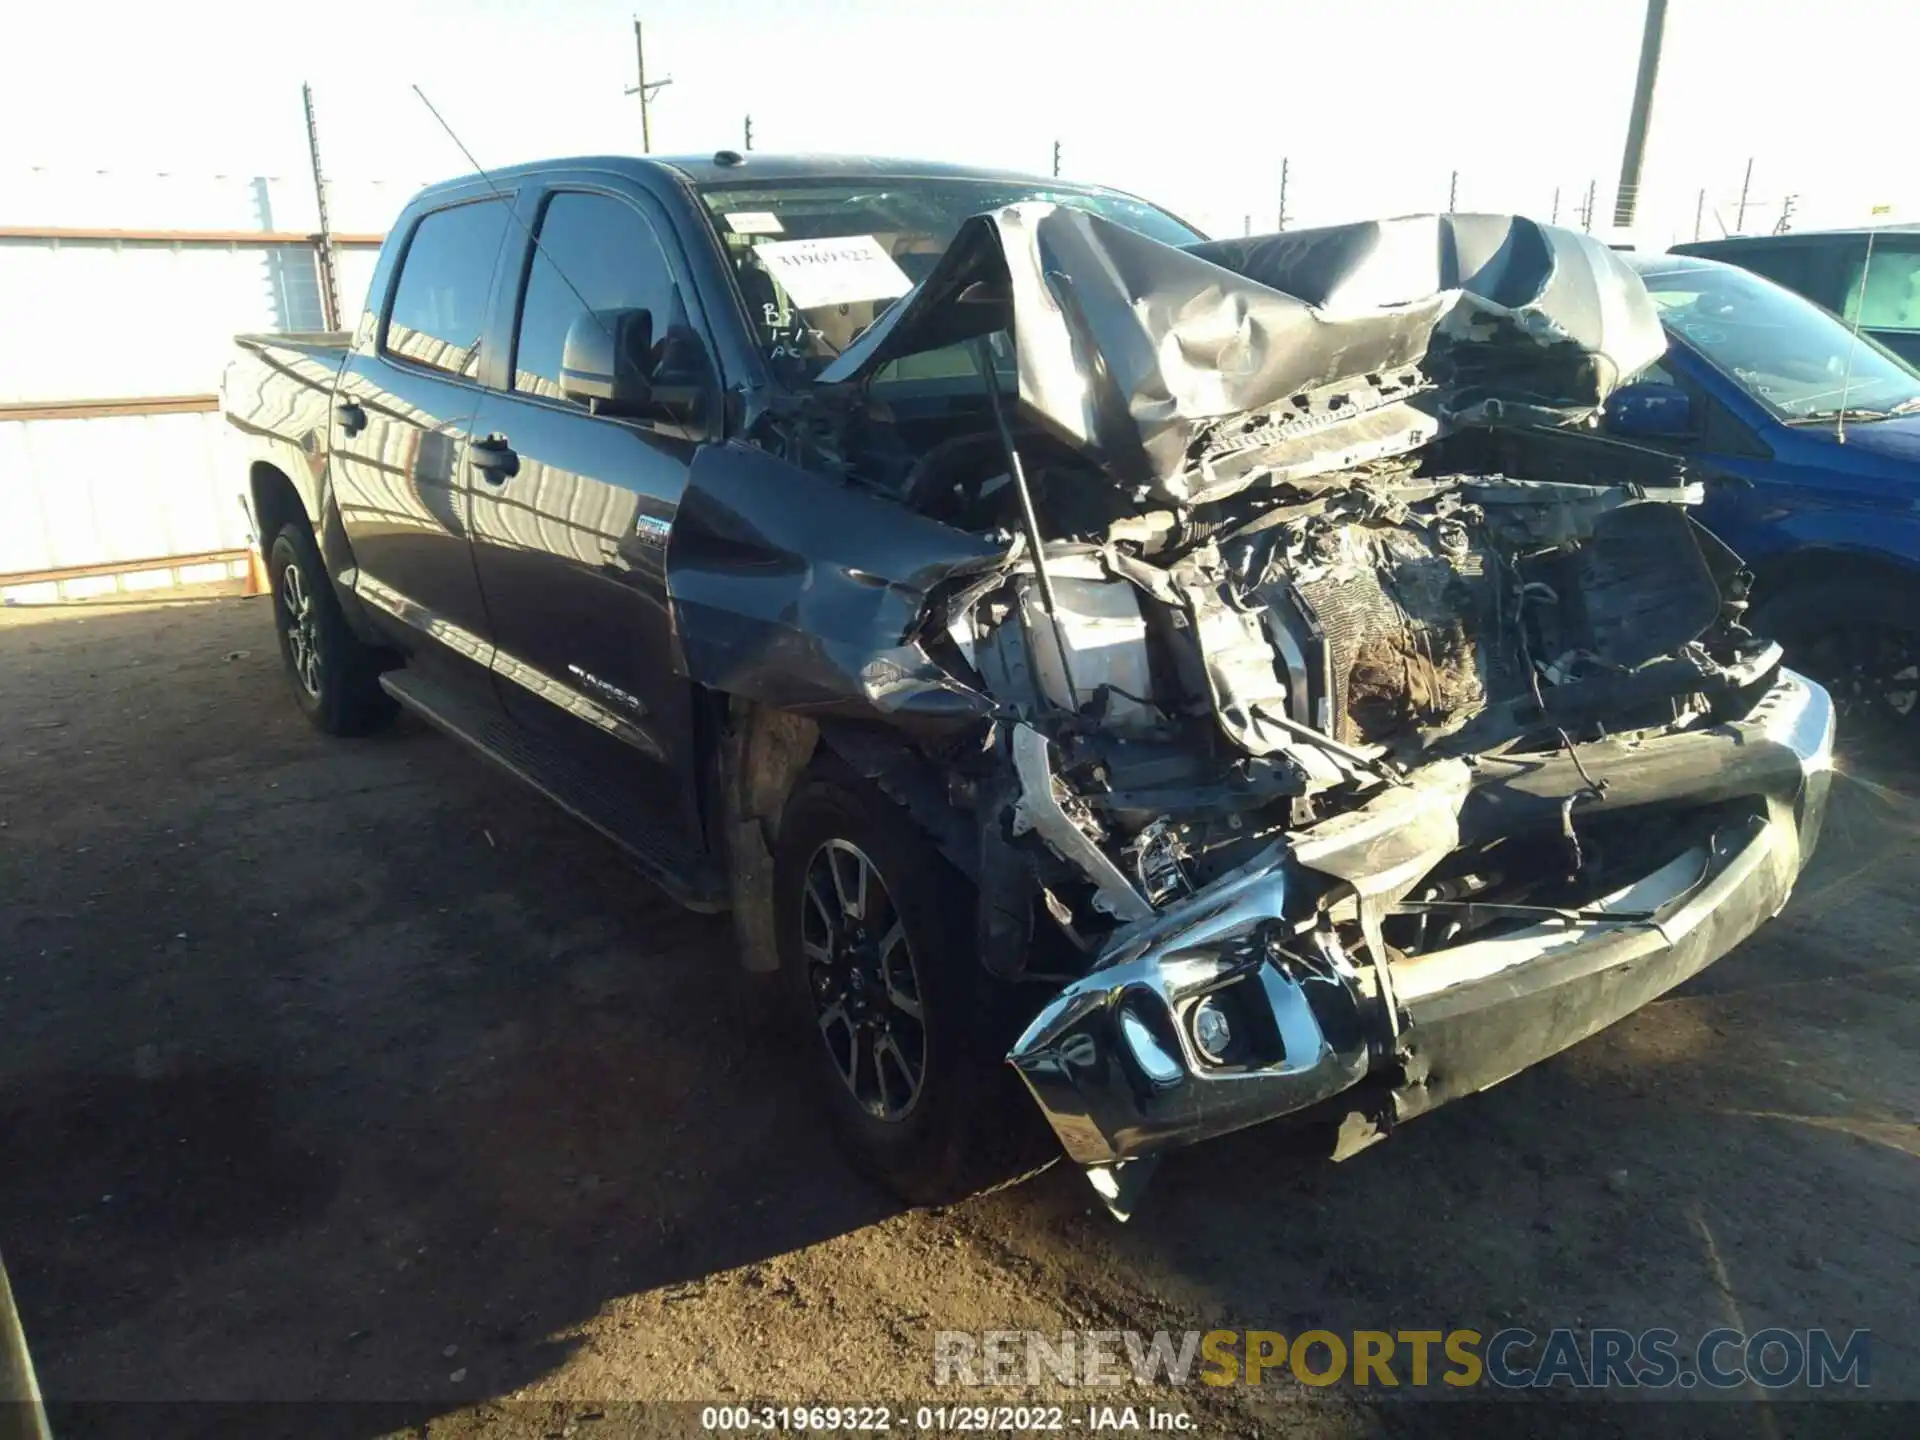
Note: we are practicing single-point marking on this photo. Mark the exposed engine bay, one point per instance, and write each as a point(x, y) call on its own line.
point(1282, 593)
point(1212, 678)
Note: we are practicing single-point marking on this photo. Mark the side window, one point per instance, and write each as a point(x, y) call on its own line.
point(595, 253)
point(440, 302)
point(1889, 298)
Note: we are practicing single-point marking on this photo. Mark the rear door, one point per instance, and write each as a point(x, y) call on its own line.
point(406, 396)
point(570, 535)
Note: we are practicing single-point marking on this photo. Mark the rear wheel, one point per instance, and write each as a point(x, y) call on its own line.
point(903, 1030)
point(335, 677)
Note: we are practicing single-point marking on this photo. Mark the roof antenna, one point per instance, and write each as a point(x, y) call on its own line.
point(478, 168)
point(1859, 311)
point(512, 210)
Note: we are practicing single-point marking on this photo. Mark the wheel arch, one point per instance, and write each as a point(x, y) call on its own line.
point(1817, 565)
point(760, 756)
point(275, 500)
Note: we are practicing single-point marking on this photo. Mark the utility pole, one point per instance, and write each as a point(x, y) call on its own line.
point(1283, 194)
point(1586, 210)
point(1554, 219)
point(1056, 159)
point(1699, 209)
point(645, 89)
point(747, 136)
point(1453, 192)
point(1785, 222)
point(1637, 118)
point(329, 281)
point(1246, 224)
point(1740, 218)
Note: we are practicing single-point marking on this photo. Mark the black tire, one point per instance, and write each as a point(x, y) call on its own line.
point(335, 677)
point(967, 1125)
point(1860, 637)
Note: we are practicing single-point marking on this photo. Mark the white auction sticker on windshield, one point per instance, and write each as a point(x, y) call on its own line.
point(754, 222)
point(841, 271)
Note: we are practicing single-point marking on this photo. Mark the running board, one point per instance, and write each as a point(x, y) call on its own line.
point(624, 809)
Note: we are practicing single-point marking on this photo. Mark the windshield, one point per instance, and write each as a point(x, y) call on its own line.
point(819, 260)
point(1786, 352)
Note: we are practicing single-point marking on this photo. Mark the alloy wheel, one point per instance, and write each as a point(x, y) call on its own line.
point(861, 974)
point(302, 628)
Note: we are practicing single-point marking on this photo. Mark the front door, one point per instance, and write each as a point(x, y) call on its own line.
point(407, 395)
point(571, 510)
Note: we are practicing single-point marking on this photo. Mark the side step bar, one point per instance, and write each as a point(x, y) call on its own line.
point(621, 807)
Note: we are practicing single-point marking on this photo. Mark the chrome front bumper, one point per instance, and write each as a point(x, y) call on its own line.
point(1113, 1059)
point(1116, 1062)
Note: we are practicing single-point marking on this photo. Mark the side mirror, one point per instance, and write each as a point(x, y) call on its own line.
point(1650, 410)
point(607, 360)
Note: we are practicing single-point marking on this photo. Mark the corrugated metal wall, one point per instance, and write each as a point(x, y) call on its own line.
point(92, 319)
point(123, 487)
point(135, 320)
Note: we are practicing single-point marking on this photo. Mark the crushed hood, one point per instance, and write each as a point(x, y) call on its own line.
point(1347, 343)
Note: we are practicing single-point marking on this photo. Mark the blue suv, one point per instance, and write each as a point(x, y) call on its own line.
point(1807, 436)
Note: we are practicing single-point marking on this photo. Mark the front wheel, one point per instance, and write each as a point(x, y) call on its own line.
point(902, 1028)
point(335, 677)
point(1858, 638)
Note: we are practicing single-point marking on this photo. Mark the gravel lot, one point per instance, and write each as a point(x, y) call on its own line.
point(348, 1070)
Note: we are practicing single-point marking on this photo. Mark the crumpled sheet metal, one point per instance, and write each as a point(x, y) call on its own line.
point(1131, 349)
point(803, 593)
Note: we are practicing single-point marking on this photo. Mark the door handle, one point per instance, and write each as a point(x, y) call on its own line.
point(352, 418)
point(494, 458)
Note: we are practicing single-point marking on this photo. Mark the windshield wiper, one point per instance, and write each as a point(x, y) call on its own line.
point(1823, 417)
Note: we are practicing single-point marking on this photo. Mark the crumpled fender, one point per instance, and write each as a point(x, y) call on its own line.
point(802, 593)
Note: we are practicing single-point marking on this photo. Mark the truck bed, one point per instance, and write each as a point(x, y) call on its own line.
point(281, 385)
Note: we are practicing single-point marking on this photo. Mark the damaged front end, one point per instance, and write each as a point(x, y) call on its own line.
point(1314, 696)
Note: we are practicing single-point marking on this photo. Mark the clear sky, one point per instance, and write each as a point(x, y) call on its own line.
point(1192, 103)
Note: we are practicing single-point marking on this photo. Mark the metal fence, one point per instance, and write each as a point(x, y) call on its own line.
point(122, 295)
point(1750, 200)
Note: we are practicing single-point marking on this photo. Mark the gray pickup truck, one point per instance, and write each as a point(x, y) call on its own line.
point(1211, 681)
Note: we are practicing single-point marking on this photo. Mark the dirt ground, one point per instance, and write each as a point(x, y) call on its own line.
point(349, 1071)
